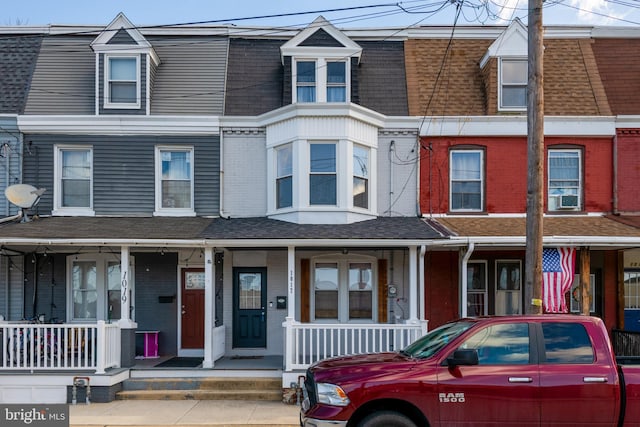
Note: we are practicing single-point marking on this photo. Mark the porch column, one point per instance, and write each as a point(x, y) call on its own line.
point(209, 307)
point(463, 279)
point(413, 284)
point(291, 309)
point(127, 326)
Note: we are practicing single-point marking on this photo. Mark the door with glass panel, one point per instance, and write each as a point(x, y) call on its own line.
point(249, 307)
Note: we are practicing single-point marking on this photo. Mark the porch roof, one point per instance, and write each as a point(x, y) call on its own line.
point(571, 230)
point(184, 231)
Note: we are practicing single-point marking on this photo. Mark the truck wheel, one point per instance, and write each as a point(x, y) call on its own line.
point(386, 419)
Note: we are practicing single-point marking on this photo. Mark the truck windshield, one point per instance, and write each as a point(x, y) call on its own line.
point(431, 343)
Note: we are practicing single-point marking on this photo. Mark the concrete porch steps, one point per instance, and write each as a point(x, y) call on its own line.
point(207, 388)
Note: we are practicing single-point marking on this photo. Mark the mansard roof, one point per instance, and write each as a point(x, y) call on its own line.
point(18, 56)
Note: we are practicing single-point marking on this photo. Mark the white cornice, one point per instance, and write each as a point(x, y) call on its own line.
point(628, 121)
point(353, 111)
point(120, 125)
point(517, 126)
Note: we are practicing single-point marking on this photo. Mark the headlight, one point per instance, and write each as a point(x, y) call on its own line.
point(332, 394)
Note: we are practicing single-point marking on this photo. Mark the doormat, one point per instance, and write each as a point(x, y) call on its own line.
point(246, 357)
point(180, 362)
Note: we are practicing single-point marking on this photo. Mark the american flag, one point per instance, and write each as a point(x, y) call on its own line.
point(558, 267)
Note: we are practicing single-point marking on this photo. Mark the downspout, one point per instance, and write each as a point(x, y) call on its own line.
point(222, 214)
point(615, 173)
point(422, 315)
point(463, 281)
point(7, 155)
point(392, 148)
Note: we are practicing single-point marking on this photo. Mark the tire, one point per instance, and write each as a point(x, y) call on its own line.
point(386, 419)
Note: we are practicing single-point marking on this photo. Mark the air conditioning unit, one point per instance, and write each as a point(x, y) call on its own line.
point(568, 202)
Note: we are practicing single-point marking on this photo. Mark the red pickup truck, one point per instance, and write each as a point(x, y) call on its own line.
point(542, 370)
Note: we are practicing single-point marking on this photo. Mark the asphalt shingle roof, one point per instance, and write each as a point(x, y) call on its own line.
point(185, 228)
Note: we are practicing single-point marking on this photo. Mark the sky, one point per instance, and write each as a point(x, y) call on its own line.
point(354, 13)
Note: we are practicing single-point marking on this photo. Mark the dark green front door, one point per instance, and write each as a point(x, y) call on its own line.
point(249, 307)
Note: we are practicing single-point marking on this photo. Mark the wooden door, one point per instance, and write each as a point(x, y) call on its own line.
point(192, 291)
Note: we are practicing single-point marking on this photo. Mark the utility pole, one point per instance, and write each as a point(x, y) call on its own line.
point(535, 156)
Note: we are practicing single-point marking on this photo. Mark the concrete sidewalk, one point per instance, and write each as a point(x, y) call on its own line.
point(197, 413)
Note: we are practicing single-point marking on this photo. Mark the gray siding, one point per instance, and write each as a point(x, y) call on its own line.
point(191, 76)
point(45, 292)
point(321, 38)
point(13, 287)
point(255, 77)
point(143, 90)
point(64, 77)
point(10, 161)
point(156, 276)
point(18, 55)
point(397, 174)
point(124, 171)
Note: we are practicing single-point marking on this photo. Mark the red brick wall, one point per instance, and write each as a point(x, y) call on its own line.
point(628, 170)
point(506, 172)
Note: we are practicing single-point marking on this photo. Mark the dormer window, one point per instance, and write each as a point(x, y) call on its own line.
point(321, 80)
point(513, 84)
point(306, 81)
point(122, 88)
point(336, 81)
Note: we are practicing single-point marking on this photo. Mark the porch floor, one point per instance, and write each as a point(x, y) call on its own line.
point(270, 362)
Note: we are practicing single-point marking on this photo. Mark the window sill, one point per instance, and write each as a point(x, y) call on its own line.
point(73, 212)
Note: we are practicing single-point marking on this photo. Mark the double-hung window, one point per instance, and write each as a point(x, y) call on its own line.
point(284, 177)
point(343, 290)
point(174, 186)
point(323, 174)
point(122, 88)
point(360, 177)
point(306, 81)
point(513, 84)
point(565, 179)
point(466, 180)
point(73, 179)
point(336, 82)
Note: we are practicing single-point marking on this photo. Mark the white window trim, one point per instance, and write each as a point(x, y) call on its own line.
point(102, 261)
point(58, 209)
point(580, 180)
point(343, 288)
point(321, 77)
point(482, 180)
point(160, 210)
point(500, 84)
point(106, 94)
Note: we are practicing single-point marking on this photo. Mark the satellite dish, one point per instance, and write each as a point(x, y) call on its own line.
point(24, 196)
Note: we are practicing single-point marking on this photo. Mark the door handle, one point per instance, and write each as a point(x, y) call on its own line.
point(520, 380)
point(594, 379)
point(184, 312)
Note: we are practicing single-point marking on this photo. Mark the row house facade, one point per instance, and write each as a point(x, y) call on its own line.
point(474, 169)
point(282, 196)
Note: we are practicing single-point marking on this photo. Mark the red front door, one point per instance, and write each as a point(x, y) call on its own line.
point(192, 285)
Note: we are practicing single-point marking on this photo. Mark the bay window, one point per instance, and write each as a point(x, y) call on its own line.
point(284, 177)
point(323, 174)
point(360, 177)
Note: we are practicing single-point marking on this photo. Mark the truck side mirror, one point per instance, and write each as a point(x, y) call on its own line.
point(464, 357)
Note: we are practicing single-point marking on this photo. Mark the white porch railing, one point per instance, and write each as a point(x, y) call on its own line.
point(308, 343)
point(60, 346)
